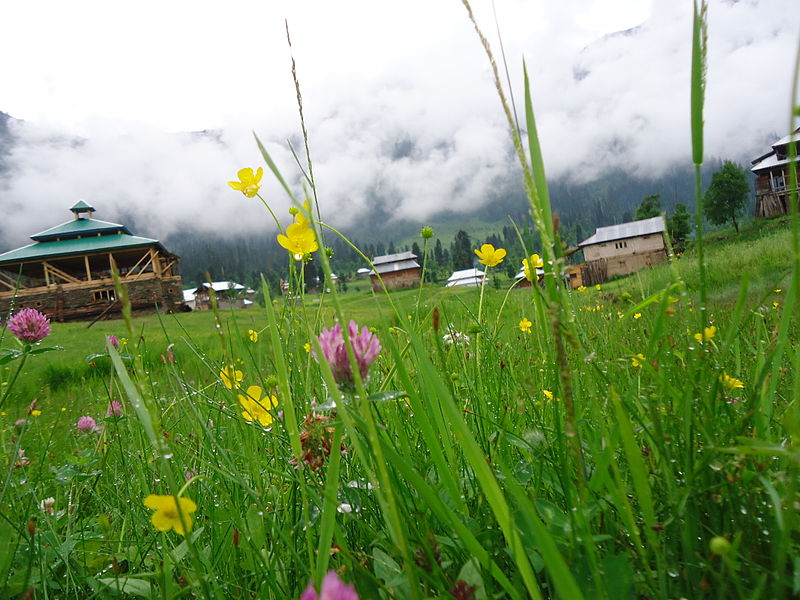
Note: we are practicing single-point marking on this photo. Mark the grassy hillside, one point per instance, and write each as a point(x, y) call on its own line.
point(760, 254)
point(626, 445)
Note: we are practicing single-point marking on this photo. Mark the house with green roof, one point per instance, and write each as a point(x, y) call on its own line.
point(66, 271)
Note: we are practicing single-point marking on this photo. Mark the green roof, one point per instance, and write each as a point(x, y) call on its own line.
point(101, 243)
point(81, 206)
point(77, 227)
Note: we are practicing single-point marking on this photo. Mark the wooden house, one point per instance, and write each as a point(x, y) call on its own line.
point(772, 178)
point(571, 276)
point(622, 249)
point(523, 281)
point(397, 271)
point(66, 271)
point(229, 295)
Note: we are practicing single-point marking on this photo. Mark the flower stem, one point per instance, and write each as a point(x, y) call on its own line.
point(422, 279)
point(14, 378)
point(478, 335)
point(277, 222)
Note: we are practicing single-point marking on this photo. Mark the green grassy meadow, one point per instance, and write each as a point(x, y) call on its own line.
point(457, 470)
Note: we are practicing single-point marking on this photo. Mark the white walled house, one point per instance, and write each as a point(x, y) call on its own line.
point(624, 248)
point(466, 277)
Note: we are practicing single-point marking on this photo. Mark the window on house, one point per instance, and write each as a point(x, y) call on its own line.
point(778, 183)
point(104, 295)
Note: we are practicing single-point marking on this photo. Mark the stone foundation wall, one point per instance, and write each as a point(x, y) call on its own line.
point(80, 301)
point(397, 281)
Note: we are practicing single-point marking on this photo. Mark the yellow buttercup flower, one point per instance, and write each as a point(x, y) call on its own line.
point(534, 262)
point(307, 347)
point(708, 334)
point(525, 325)
point(253, 335)
point(581, 288)
point(637, 315)
point(489, 256)
point(248, 182)
point(167, 516)
point(256, 408)
point(730, 382)
point(36, 413)
point(548, 394)
point(299, 239)
point(637, 360)
point(597, 287)
point(231, 377)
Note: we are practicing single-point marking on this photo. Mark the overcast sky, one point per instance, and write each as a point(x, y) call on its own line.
point(397, 95)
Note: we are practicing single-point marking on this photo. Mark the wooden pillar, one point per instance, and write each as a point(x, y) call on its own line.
point(156, 262)
point(88, 270)
point(46, 274)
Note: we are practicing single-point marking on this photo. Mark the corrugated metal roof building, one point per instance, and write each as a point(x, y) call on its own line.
point(773, 185)
point(229, 295)
point(466, 277)
point(622, 249)
point(399, 270)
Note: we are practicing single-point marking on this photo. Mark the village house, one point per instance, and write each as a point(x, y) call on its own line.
point(66, 271)
point(523, 281)
point(229, 295)
point(772, 179)
point(397, 271)
point(622, 249)
point(466, 277)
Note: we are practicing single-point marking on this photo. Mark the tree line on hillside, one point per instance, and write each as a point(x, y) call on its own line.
point(245, 257)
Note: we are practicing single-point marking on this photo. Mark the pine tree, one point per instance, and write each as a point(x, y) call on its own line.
point(649, 208)
point(462, 251)
point(679, 226)
point(438, 253)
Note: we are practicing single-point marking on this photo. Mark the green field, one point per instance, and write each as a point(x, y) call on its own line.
point(610, 461)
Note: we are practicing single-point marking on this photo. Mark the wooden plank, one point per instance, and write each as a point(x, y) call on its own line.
point(10, 281)
point(88, 270)
point(133, 268)
point(141, 272)
point(59, 273)
point(167, 268)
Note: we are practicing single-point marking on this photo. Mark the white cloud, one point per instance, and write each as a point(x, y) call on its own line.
point(399, 101)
